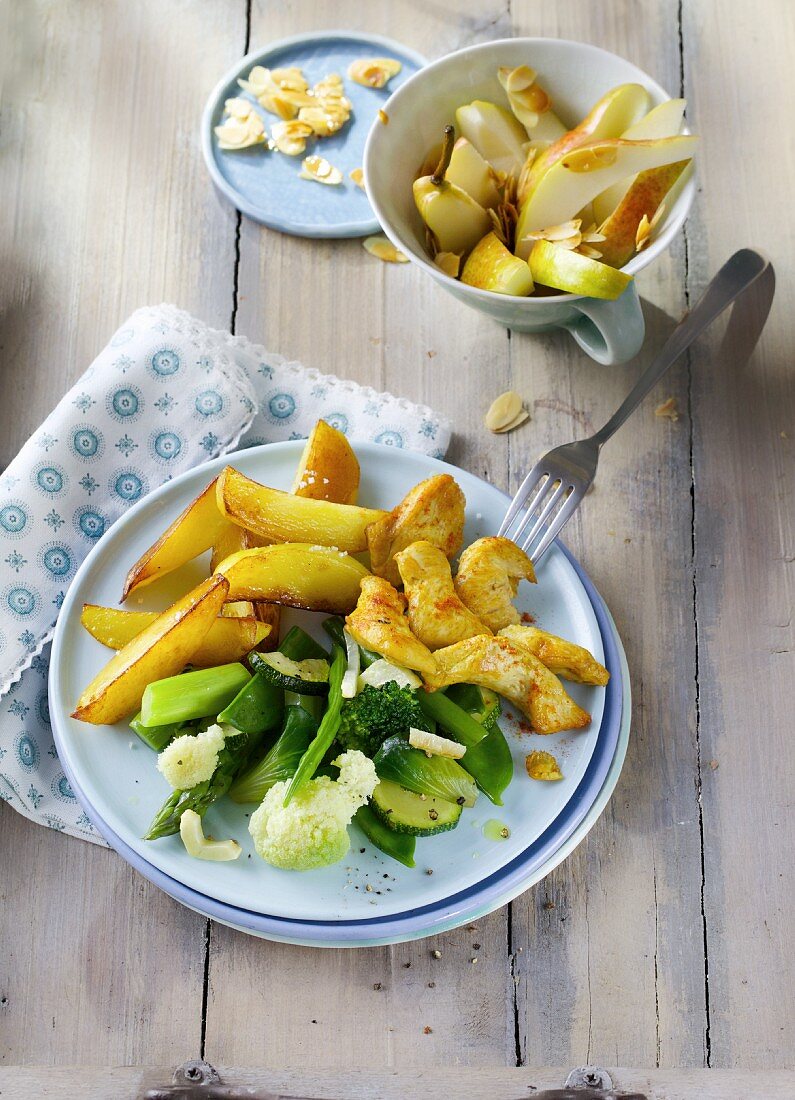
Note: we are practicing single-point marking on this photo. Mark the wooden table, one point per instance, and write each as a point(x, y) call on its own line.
point(666, 939)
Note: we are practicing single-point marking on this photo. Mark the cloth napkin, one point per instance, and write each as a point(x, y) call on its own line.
point(166, 394)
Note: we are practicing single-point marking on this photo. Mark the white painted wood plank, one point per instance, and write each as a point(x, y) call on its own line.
point(739, 76)
point(611, 963)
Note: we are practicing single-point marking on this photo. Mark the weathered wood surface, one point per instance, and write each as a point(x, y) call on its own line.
point(108, 208)
point(127, 1082)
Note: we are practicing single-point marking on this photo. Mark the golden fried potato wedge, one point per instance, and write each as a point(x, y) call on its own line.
point(316, 578)
point(328, 469)
point(161, 649)
point(270, 615)
point(192, 532)
point(436, 615)
point(379, 623)
point(282, 517)
point(488, 578)
point(514, 672)
point(228, 639)
point(231, 539)
point(432, 512)
point(565, 659)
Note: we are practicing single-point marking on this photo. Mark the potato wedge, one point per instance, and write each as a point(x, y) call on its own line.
point(268, 614)
point(432, 511)
point(316, 578)
point(283, 517)
point(161, 649)
point(231, 539)
point(192, 532)
point(227, 640)
point(328, 469)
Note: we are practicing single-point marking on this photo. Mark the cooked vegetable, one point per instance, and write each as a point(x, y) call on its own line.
point(157, 737)
point(434, 775)
point(192, 695)
point(517, 674)
point(192, 758)
point(201, 847)
point(300, 646)
point(404, 811)
point(350, 681)
point(379, 622)
point(483, 705)
point(488, 760)
point(432, 510)
point(282, 759)
point(309, 828)
point(456, 720)
point(565, 659)
point(327, 730)
point(375, 714)
point(488, 578)
point(436, 614)
point(399, 846)
point(434, 745)
point(307, 677)
point(161, 649)
point(257, 708)
point(382, 672)
point(334, 626)
point(316, 578)
point(283, 517)
point(228, 639)
point(193, 531)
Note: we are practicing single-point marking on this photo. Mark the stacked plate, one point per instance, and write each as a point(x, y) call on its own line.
point(367, 899)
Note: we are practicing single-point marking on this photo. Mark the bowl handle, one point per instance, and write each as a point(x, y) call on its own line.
point(610, 331)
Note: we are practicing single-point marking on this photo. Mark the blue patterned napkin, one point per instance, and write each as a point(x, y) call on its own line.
point(166, 394)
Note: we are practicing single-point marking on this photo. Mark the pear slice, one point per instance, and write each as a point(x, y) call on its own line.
point(643, 198)
point(578, 177)
point(495, 133)
point(469, 171)
point(609, 117)
point(558, 267)
point(491, 266)
point(455, 219)
point(531, 103)
point(662, 121)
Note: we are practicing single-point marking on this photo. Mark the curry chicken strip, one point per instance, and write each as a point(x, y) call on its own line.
point(565, 659)
point(513, 672)
point(379, 622)
point(436, 614)
point(432, 512)
point(488, 579)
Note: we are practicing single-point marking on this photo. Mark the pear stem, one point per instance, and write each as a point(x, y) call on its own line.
point(444, 160)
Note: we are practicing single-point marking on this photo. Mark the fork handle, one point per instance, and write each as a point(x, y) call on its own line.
point(736, 275)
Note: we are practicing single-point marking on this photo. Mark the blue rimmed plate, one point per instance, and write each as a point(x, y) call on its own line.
point(332, 905)
point(265, 185)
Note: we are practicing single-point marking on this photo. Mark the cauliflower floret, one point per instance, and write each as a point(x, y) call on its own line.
point(192, 758)
point(312, 831)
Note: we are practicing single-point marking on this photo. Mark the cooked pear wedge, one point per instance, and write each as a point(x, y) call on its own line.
point(662, 121)
point(455, 219)
point(162, 649)
point(469, 171)
point(491, 266)
point(495, 133)
point(561, 268)
point(643, 198)
point(608, 118)
point(578, 177)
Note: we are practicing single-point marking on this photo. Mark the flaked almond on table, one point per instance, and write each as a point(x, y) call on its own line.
point(506, 412)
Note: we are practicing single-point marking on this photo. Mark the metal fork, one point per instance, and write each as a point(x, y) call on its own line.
point(558, 482)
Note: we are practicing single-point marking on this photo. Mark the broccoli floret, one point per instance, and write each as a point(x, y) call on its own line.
point(377, 713)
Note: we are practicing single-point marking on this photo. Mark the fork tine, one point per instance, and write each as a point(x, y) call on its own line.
point(527, 514)
point(548, 509)
point(557, 522)
point(538, 472)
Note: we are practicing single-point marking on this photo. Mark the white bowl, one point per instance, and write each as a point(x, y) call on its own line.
point(576, 75)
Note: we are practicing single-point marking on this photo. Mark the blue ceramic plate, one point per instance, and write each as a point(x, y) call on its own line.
point(471, 875)
point(265, 185)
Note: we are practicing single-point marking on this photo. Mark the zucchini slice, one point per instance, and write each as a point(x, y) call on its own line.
point(416, 815)
point(309, 677)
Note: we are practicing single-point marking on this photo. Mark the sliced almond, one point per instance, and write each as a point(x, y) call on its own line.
point(238, 108)
point(373, 72)
point(542, 765)
point(320, 170)
point(236, 133)
point(357, 175)
point(290, 137)
point(383, 117)
point(669, 409)
point(449, 263)
point(515, 423)
point(503, 410)
point(322, 122)
point(383, 249)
